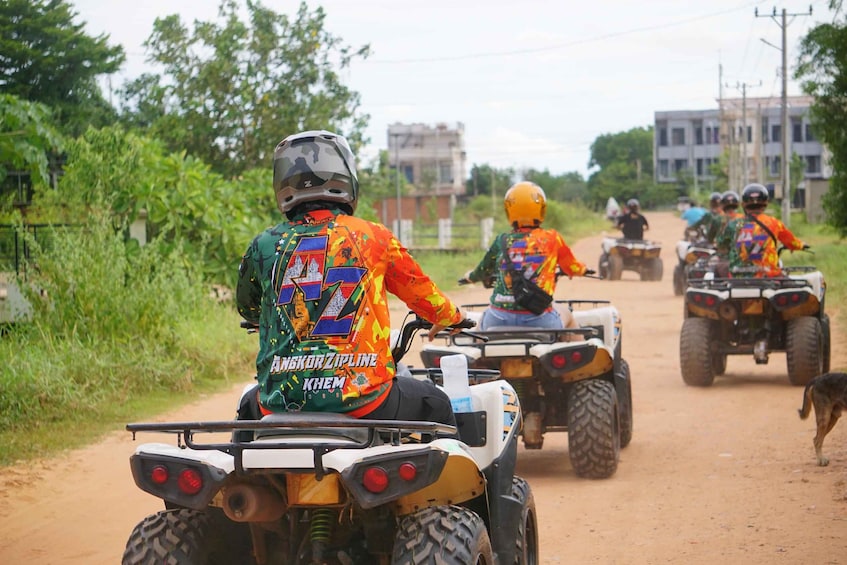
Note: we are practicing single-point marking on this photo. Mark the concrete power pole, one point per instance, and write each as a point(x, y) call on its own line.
point(786, 158)
point(745, 173)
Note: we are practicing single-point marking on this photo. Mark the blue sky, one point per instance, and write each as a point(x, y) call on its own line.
point(534, 82)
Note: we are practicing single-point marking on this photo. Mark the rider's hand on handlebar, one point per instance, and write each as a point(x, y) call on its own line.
point(454, 329)
point(466, 279)
point(590, 272)
point(806, 247)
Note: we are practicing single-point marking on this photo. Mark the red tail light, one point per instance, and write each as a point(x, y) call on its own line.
point(190, 481)
point(436, 361)
point(559, 361)
point(375, 479)
point(576, 356)
point(159, 474)
point(408, 471)
point(782, 300)
point(710, 300)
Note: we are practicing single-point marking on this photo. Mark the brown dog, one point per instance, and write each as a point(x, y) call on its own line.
point(828, 394)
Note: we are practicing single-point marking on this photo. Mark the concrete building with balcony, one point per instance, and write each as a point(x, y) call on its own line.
point(748, 131)
point(432, 158)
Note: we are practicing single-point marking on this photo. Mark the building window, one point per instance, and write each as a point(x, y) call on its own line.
point(663, 168)
point(408, 172)
point(775, 165)
point(797, 132)
point(776, 132)
point(663, 137)
point(698, 136)
point(678, 136)
point(749, 134)
point(699, 167)
point(810, 136)
point(445, 170)
point(680, 164)
point(716, 134)
point(708, 135)
point(764, 131)
point(813, 164)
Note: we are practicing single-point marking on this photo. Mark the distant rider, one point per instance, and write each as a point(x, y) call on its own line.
point(535, 251)
point(632, 223)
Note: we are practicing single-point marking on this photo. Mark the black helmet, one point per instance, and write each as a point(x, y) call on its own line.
point(304, 164)
point(632, 204)
point(715, 197)
point(729, 200)
point(754, 197)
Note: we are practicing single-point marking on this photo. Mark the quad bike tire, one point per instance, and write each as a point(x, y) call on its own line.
point(526, 543)
point(603, 266)
point(442, 535)
point(182, 537)
point(695, 356)
point(594, 441)
point(657, 269)
point(615, 267)
point(719, 363)
point(678, 280)
point(827, 338)
point(623, 389)
point(804, 349)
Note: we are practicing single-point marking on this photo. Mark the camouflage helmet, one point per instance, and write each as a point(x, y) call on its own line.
point(304, 165)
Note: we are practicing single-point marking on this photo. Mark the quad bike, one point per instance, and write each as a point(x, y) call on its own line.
point(321, 488)
point(758, 316)
point(639, 255)
point(695, 256)
point(582, 387)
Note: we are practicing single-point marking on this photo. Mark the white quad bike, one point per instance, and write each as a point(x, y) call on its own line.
point(743, 316)
point(639, 255)
point(581, 387)
point(320, 488)
point(695, 256)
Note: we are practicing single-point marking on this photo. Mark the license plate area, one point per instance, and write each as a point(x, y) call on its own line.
point(752, 306)
point(305, 489)
point(516, 368)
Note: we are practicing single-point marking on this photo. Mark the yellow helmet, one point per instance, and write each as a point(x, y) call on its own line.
point(525, 204)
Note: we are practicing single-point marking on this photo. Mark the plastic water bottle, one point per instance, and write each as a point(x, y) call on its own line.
point(454, 369)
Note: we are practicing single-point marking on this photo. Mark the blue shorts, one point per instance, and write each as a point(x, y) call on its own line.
point(494, 317)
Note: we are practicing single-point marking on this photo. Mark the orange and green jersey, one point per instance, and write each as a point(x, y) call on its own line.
point(316, 286)
point(535, 251)
point(752, 246)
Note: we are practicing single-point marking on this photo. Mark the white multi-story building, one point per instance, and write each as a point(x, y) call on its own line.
point(432, 159)
point(748, 130)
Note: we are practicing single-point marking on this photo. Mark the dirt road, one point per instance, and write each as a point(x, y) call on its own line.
point(719, 475)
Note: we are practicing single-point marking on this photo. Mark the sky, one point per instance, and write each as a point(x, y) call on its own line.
point(534, 82)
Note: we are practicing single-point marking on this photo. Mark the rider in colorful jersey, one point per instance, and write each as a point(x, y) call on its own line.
point(533, 250)
point(316, 286)
point(753, 238)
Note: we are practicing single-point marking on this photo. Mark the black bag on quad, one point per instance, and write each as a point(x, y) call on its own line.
point(619, 255)
point(755, 316)
point(581, 387)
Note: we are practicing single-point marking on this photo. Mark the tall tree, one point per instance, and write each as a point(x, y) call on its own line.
point(46, 57)
point(823, 70)
point(27, 136)
point(625, 162)
point(230, 90)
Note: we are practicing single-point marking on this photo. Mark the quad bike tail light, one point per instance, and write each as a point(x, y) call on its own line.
point(190, 481)
point(703, 299)
point(560, 362)
point(176, 480)
point(375, 479)
point(380, 479)
point(786, 300)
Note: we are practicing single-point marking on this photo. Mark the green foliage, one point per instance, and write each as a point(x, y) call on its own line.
point(823, 70)
point(625, 162)
point(49, 59)
point(569, 187)
point(484, 178)
point(27, 135)
point(230, 90)
point(830, 256)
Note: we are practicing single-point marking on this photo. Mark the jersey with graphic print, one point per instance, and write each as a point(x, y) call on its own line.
point(316, 286)
point(535, 251)
point(753, 246)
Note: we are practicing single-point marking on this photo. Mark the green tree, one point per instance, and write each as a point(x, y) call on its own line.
point(822, 67)
point(230, 90)
point(569, 187)
point(48, 58)
point(27, 137)
point(483, 177)
point(625, 162)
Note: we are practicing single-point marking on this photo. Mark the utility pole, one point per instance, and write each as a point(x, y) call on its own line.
point(786, 158)
point(745, 173)
point(396, 137)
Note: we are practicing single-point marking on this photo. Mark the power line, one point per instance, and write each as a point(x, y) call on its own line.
point(532, 50)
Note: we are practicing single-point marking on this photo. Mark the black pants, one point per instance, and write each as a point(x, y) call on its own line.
point(409, 399)
point(412, 399)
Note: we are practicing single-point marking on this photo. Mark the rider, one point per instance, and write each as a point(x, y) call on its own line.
point(753, 238)
point(533, 250)
point(693, 214)
point(632, 223)
point(705, 224)
point(316, 285)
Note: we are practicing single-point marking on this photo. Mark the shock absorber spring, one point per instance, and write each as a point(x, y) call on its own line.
point(320, 526)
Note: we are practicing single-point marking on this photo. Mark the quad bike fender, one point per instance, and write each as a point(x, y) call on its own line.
point(460, 480)
point(682, 250)
point(816, 281)
point(606, 317)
